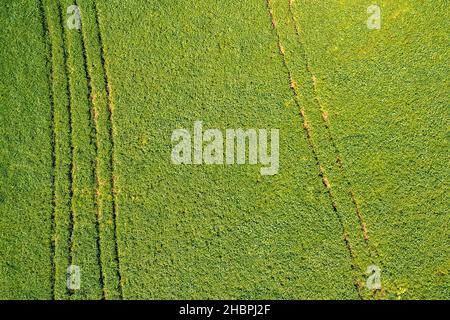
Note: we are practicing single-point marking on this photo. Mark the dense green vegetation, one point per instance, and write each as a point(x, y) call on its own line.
point(86, 179)
point(387, 98)
point(25, 156)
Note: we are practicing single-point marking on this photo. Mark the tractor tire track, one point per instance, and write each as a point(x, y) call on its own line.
point(71, 195)
point(71, 167)
point(308, 131)
point(94, 126)
point(69, 97)
point(325, 118)
point(372, 250)
point(49, 57)
point(63, 149)
point(110, 105)
point(84, 252)
point(101, 121)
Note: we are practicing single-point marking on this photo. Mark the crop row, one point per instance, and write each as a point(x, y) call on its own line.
point(84, 224)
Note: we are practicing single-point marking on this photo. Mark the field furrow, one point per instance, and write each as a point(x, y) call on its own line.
point(112, 133)
point(48, 43)
point(62, 147)
point(102, 117)
point(386, 120)
point(325, 115)
point(302, 85)
point(84, 243)
point(371, 254)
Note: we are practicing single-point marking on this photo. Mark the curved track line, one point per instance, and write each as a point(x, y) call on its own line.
point(94, 125)
point(306, 127)
point(49, 56)
point(71, 166)
point(326, 121)
point(111, 134)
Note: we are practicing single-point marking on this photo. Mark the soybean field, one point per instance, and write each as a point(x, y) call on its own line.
point(355, 206)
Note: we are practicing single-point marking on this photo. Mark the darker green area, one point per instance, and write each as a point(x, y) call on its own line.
point(26, 155)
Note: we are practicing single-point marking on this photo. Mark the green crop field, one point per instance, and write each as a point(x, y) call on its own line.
point(359, 91)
